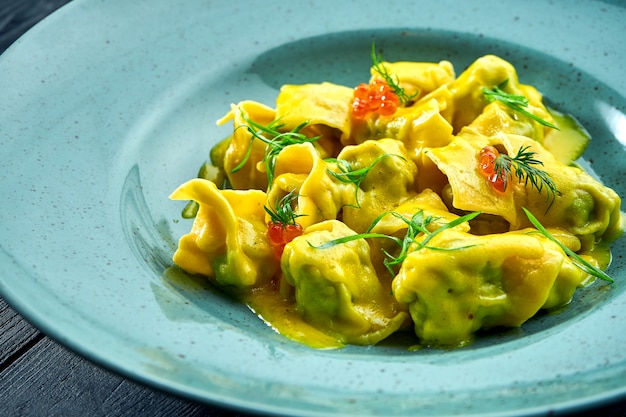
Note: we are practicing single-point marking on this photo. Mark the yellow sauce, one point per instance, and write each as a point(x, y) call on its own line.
point(410, 178)
point(281, 314)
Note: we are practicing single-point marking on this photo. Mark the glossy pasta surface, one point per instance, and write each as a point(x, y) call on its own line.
point(342, 215)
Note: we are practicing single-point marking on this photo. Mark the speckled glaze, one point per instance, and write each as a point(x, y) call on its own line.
point(107, 106)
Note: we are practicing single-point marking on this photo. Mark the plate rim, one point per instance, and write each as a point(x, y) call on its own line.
point(56, 333)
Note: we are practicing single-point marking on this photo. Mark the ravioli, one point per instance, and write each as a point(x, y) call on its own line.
point(390, 180)
point(584, 206)
point(487, 72)
point(481, 282)
point(337, 289)
point(228, 240)
point(245, 153)
point(320, 197)
point(419, 202)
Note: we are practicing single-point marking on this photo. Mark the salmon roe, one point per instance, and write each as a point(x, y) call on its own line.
point(280, 234)
point(375, 97)
point(487, 168)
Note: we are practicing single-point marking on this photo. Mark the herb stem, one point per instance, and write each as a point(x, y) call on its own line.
point(379, 67)
point(516, 102)
point(523, 164)
point(578, 261)
point(276, 142)
point(283, 212)
point(349, 175)
point(416, 225)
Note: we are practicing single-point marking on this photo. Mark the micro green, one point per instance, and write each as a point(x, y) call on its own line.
point(578, 261)
point(275, 139)
point(524, 166)
point(350, 175)
point(516, 102)
point(417, 226)
point(379, 67)
point(282, 213)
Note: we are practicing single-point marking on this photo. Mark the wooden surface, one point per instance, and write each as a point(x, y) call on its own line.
point(39, 377)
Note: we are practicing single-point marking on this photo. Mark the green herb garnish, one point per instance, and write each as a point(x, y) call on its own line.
point(417, 226)
point(515, 101)
point(578, 261)
point(283, 213)
point(275, 140)
point(523, 165)
point(350, 175)
point(377, 62)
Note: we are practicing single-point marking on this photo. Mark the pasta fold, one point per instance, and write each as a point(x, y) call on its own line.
point(479, 282)
point(300, 168)
point(418, 79)
point(227, 241)
point(325, 108)
point(389, 181)
point(243, 157)
point(487, 72)
point(584, 206)
point(336, 289)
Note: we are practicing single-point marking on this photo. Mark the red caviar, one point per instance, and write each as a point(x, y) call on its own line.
point(487, 168)
point(375, 97)
point(280, 234)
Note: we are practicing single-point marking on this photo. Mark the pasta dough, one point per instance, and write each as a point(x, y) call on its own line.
point(228, 238)
point(338, 289)
point(500, 280)
point(345, 227)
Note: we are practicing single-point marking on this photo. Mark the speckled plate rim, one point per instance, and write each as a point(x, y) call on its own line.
point(63, 105)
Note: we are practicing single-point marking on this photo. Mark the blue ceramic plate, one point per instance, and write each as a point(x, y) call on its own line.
point(107, 106)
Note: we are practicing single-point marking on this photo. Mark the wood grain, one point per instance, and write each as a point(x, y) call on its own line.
point(41, 378)
point(16, 335)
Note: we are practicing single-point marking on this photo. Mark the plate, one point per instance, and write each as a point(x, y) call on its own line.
point(108, 106)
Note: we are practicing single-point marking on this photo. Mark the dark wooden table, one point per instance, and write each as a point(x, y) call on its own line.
point(39, 377)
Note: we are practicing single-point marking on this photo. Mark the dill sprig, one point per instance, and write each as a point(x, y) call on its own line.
point(275, 140)
point(578, 261)
point(523, 166)
point(282, 213)
point(417, 226)
point(350, 175)
point(377, 62)
point(514, 101)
